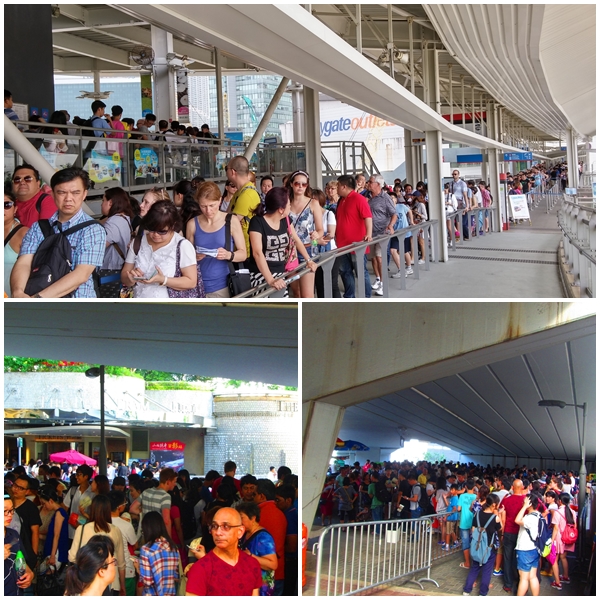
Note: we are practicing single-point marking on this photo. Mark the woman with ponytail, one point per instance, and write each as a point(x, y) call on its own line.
point(562, 516)
point(94, 568)
point(489, 507)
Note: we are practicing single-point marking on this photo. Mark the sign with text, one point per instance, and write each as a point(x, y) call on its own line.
point(518, 206)
point(517, 156)
point(168, 454)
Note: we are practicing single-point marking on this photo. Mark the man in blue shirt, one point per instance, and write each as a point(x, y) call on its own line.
point(466, 520)
point(462, 194)
point(452, 518)
point(69, 187)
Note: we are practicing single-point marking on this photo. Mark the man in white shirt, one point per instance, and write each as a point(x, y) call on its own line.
point(110, 471)
point(118, 503)
point(82, 496)
point(272, 474)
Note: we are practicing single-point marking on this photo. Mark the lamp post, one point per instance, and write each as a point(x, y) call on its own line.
point(92, 374)
point(582, 469)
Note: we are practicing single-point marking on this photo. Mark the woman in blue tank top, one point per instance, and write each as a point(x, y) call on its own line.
point(207, 233)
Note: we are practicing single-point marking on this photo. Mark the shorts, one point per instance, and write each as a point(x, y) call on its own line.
point(394, 244)
point(450, 527)
point(465, 538)
point(527, 560)
point(376, 249)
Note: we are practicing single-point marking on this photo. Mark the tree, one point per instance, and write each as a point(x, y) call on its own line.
point(434, 457)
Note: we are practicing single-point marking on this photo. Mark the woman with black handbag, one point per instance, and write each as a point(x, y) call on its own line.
point(208, 233)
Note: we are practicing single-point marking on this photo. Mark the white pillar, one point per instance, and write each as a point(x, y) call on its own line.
point(97, 86)
point(431, 77)
point(219, 82)
point(297, 112)
point(572, 164)
point(408, 157)
point(433, 141)
point(495, 187)
point(321, 424)
point(164, 103)
point(312, 137)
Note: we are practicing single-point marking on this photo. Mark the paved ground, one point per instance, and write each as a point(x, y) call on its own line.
point(519, 263)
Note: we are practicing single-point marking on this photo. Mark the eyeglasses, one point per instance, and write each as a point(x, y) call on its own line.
point(164, 232)
point(300, 184)
point(26, 179)
point(18, 487)
point(224, 526)
point(231, 185)
point(9, 512)
point(110, 562)
point(453, 174)
point(9, 204)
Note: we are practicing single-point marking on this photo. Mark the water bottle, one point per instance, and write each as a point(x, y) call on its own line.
point(20, 564)
point(314, 245)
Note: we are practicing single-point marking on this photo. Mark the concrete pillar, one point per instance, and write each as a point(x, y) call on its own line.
point(433, 140)
point(495, 187)
point(97, 87)
point(297, 112)
point(312, 137)
point(321, 423)
point(572, 165)
point(484, 165)
point(219, 82)
point(431, 78)
point(164, 100)
point(408, 156)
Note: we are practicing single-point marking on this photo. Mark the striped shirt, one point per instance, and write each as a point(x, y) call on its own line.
point(88, 246)
point(155, 499)
point(159, 569)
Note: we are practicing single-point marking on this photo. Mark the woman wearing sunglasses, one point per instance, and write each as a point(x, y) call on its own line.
point(228, 193)
point(306, 215)
point(94, 568)
point(13, 582)
point(14, 232)
point(152, 270)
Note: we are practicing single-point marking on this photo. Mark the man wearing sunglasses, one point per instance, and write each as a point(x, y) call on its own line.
point(225, 570)
point(33, 203)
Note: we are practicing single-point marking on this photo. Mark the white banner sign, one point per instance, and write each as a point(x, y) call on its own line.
point(518, 206)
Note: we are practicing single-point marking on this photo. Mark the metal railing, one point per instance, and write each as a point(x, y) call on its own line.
point(547, 196)
point(326, 262)
point(577, 221)
point(476, 220)
point(137, 164)
point(354, 557)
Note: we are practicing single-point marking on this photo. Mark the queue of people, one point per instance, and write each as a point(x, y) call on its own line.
point(155, 532)
point(467, 502)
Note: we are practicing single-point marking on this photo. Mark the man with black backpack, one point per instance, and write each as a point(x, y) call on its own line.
point(98, 122)
point(59, 255)
point(378, 494)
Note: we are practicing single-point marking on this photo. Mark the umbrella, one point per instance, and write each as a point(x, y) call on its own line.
point(339, 443)
point(353, 446)
point(72, 457)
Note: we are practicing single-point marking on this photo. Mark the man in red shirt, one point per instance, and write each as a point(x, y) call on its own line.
point(33, 203)
point(509, 509)
point(225, 571)
point(354, 224)
point(274, 521)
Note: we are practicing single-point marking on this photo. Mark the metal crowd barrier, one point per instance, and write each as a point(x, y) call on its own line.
point(549, 196)
point(354, 557)
point(456, 219)
point(326, 262)
point(577, 221)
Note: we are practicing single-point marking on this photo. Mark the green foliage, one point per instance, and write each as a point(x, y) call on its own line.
point(434, 457)
point(18, 364)
point(205, 386)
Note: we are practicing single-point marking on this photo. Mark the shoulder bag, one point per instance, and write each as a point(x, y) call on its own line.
point(195, 292)
point(237, 281)
point(291, 253)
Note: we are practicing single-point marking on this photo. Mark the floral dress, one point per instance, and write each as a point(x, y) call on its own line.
point(262, 543)
point(304, 224)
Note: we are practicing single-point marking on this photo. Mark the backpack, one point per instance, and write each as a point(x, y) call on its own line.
point(382, 493)
point(89, 133)
point(53, 258)
point(481, 546)
point(425, 502)
point(570, 534)
point(543, 541)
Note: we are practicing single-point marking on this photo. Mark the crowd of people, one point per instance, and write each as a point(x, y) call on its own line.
point(201, 241)
point(147, 530)
point(464, 500)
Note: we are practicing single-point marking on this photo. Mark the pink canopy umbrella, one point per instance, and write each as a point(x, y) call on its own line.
point(72, 457)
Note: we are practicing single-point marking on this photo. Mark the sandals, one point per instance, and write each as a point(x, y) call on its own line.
point(463, 566)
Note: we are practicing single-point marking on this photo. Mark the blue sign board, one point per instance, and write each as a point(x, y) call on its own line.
point(469, 158)
point(517, 156)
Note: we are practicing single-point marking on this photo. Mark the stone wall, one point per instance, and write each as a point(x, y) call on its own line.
point(256, 432)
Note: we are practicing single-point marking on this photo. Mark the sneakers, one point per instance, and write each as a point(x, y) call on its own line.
point(564, 579)
point(377, 284)
point(421, 261)
point(409, 271)
point(446, 548)
point(498, 572)
point(556, 586)
point(456, 544)
point(379, 290)
point(441, 543)
point(397, 275)
point(546, 573)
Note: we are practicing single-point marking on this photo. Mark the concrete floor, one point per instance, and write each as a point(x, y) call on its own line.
point(518, 263)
